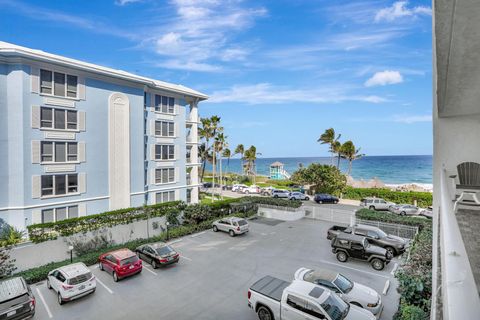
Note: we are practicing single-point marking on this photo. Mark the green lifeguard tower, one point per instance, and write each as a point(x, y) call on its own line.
point(277, 172)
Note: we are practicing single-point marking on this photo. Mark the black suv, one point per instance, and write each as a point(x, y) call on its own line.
point(325, 198)
point(16, 299)
point(352, 246)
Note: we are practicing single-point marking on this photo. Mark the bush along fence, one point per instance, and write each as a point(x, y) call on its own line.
point(424, 199)
point(415, 275)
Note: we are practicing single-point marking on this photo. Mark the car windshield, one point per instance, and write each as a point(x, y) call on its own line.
point(343, 284)
point(128, 260)
point(162, 251)
point(242, 222)
point(381, 233)
point(335, 307)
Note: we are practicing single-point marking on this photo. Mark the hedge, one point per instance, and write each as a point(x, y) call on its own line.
point(40, 273)
point(424, 199)
point(415, 276)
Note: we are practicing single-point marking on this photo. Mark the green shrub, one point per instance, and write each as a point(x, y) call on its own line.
point(410, 312)
point(424, 199)
point(273, 201)
point(389, 217)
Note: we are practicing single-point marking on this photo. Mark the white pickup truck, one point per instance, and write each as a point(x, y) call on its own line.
point(275, 299)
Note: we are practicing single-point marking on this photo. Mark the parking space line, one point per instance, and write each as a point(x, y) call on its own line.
point(146, 268)
point(44, 303)
point(104, 285)
point(386, 287)
point(183, 257)
point(368, 272)
point(198, 234)
point(394, 269)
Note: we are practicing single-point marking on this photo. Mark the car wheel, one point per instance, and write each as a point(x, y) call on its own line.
point(342, 256)
point(378, 264)
point(49, 286)
point(247, 192)
point(319, 201)
point(60, 300)
point(231, 233)
point(275, 196)
point(264, 314)
point(391, 250)
point(215, 229)
point(307, 198)
point(371, 208)
point(100, 266)
point(115, 277)
point(403, 213)
point(154, 264)
point(335, 202)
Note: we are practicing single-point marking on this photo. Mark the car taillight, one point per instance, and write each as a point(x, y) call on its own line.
point(66, 287)
point(163, 260)
point(32, 303)
point(249, 294)
point(176, 256)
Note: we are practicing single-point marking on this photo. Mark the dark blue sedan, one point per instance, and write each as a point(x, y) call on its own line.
point(325, 198)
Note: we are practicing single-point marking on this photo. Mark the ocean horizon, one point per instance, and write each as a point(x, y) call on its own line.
point(389, 169)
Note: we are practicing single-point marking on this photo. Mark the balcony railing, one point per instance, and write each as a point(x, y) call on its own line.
point(460, 299)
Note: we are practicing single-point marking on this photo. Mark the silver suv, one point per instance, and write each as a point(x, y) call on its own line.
point(376, 203)
point(231, 225)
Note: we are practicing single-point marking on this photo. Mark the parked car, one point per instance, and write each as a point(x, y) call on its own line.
point(277, 193)
point(120, 263)
point(208, 185)
point(396, 245)
point(267, 191)
point(233, 226)
point(427, 213)
point(404, 209)
point(298, 196)
point(349, 291)
point(325, 198)
point(71, 282)
point(237, 187)
point(253, 189)
point(347, 246)
point(158, 254)
point(275, 299)
point(16, 299)
point(373, 203)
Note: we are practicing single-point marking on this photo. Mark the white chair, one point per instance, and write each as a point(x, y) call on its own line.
point(469, 182)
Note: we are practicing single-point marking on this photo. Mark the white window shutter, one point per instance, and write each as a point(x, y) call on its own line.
point(36, 216)
point(152, 127)
point(81, 152)
point(81, 88)
point(152, 176)
point(152, 152)
point(36, 187)
point(35, 151)
point(35, 79)
point(82, 182)
point(81, 120)
point(82, 209)
point(36, 117)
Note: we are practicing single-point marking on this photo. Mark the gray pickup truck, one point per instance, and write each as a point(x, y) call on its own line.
point(396, 245)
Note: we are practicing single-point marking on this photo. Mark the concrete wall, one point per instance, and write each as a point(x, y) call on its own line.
point(33, 255)
point(279, 214)
point(337, 216)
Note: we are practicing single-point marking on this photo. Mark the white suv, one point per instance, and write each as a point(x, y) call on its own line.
point(376, 203)
point(71, 282)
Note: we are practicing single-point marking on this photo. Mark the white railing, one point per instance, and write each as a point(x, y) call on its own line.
point(460, 297)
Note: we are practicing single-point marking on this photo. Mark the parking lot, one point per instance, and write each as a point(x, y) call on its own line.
point(213, 276)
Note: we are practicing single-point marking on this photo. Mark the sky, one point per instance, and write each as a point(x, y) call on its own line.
point(277, 72)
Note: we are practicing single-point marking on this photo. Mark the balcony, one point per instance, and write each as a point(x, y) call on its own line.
point(459, 244)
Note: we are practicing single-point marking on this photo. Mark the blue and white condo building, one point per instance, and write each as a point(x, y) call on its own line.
point(78, 138)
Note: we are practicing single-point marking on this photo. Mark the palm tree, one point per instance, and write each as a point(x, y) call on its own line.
point(240, 149)
point(337, 149)
point(250, 157)
point(328, 137)
point(220, 142)
point(204, 132)
point(227, 153)
point(351, 154)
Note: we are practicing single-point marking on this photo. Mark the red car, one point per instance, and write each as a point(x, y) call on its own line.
point(120, 263)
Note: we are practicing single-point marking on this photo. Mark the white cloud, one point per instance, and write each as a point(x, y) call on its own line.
point(409, 119)
point(383, 78)
point(400, 10)
point(266, 93)
point(201, 32)
point(125, 2)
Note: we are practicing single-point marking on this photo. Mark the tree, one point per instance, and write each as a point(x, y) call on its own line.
point(328, 137)
point(250, 156)
point(337, 149)
point(7, 265)
point(240, 149)
point(350, 153)
point(220, 144)
point(322, 178)
point(215, 129)
point(227, 153)
point(205, 132)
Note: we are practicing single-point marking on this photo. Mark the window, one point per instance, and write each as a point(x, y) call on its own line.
point(164, 128)
point(59, 184)
point(164, 175)
point(58, 119)
point(58, 84)
point(164, 152)
point(164, 104)
point(59, 151)
point(189, 195)
point(166, 196)
point(304, 306)
point(58, 214)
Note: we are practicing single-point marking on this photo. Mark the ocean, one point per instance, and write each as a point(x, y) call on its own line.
point(389, 169)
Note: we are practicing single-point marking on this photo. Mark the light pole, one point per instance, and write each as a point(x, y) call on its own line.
point(167, 224)
point(70, 248)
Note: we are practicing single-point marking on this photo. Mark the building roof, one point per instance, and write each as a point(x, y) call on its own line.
point(12, 50)
point(276, 164)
